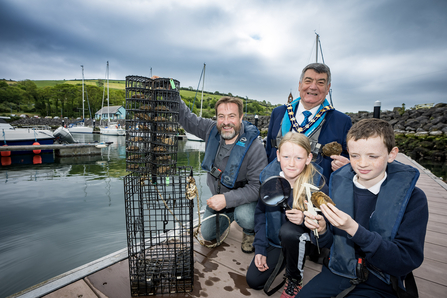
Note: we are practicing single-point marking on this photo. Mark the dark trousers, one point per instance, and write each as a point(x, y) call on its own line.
point(257, 279)
point(326, 284)
point(294, 240)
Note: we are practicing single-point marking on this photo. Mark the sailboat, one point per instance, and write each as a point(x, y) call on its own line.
point(79, 127)
point(189, 136)
point(112, 128)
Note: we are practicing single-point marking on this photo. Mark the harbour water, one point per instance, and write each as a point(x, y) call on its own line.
point(65, 212)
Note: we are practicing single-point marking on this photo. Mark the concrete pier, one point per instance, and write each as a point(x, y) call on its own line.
point(76, 149)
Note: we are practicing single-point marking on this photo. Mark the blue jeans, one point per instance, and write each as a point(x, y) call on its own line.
point(244, 215)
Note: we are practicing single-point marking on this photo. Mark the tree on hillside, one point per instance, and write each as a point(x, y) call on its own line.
point(63, 97)
point(10, 98)
point(40, 105)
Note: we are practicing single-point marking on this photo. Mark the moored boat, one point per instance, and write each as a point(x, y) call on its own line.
point(112, 128)
point(12, 136)
point(79, 127)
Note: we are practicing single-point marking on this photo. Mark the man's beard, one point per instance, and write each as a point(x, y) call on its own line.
point(229, 135)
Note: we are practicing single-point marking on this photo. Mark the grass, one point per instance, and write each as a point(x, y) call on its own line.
point(191, 94)
point(118, 84)
point(113, 84)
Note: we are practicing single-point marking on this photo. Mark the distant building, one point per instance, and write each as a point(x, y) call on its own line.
point(115, 112)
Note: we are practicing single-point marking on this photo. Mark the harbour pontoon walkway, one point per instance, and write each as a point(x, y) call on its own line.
point(220, 272)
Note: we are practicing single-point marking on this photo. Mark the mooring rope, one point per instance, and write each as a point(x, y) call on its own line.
point(191, 193)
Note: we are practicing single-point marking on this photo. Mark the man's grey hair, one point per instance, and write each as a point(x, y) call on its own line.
point(319, 68)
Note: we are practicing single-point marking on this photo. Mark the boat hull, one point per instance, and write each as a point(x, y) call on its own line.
point(25, 136)
point(80, 129)
point(112, 131)
point(192, 137)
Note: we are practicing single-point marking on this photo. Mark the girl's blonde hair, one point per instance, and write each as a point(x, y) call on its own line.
point(306, 176)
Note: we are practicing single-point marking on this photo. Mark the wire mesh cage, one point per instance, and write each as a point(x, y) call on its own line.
point(158, 223)
point(152, 107)
point(159, 218)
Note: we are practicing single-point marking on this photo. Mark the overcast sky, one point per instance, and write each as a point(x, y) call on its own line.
point(392, 51)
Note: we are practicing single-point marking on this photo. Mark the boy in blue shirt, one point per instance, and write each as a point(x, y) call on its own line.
point(380, 219)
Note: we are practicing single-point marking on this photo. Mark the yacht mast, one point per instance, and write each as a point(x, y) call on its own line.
point(82, 66)
point(316, 47)
point(108, 101)
point(203, 84)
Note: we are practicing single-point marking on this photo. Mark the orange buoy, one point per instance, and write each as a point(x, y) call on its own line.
point(6, 160)
point(37, 159)
point(6, 153)
point(36, 151)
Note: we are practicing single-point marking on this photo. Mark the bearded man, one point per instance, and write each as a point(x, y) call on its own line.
point(234, 158)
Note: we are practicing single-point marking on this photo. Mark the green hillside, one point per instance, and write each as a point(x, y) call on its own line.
point(64, 98)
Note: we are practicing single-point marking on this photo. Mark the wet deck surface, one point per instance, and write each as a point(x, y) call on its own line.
point(220, 272)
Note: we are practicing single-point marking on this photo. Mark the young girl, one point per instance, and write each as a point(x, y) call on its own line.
point(277, 229)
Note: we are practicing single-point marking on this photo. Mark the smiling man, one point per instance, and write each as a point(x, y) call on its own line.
point(312, 115)
point(234, 158)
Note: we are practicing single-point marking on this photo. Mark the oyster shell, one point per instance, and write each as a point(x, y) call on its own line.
point(332, 148)
point(319, 198)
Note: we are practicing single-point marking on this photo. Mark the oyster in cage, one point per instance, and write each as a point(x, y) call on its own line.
point(163, 158)
point(163, 169)
point(161, 108)
point(143, 116)
point(136, 139)
point(160, 119)
point(332, 148)
point(160, 149)
point(319, 198)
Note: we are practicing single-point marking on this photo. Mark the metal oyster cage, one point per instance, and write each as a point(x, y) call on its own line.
point(159, 217)
point(151, 125)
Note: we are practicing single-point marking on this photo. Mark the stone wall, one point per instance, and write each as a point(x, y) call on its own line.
point(55, 123)
point(420, 134)
point(420, 122)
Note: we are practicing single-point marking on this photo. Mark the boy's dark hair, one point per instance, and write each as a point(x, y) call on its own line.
point(229, 99)
point(373, 127)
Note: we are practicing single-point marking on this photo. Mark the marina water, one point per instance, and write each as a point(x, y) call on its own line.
point(66, 212)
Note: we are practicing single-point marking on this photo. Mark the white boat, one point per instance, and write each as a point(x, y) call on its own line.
point(79, 127)
point(12, 136)
point(112, 128)
point(190, 136)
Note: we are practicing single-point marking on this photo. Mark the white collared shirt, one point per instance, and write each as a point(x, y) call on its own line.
point(374, 189)
point(299, 114)
point(282, 175)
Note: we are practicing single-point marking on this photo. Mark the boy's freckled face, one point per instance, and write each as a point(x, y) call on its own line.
point(369, 159)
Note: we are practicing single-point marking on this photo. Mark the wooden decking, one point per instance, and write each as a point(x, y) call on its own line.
point(220, 272)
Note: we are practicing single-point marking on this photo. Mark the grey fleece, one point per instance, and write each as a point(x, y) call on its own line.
point(254, 162)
